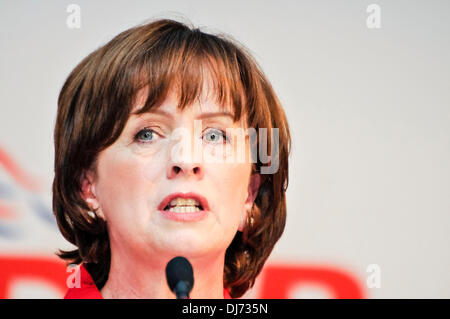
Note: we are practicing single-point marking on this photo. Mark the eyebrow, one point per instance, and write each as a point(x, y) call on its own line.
point(199, 116)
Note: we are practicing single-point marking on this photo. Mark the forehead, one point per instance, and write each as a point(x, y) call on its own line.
point(206, 103)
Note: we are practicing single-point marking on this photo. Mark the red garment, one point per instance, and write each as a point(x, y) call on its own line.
point(88, 289)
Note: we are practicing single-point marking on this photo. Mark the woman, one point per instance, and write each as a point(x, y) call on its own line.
point(126, 192)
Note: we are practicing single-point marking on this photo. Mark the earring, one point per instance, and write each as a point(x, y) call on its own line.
point(92, 214)
point(250, 219)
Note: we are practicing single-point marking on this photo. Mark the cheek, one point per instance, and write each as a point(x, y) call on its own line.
point(117, 175)
point(125, 183)
point(233, 189)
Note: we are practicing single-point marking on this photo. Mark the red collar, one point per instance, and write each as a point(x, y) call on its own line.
point(88, 289)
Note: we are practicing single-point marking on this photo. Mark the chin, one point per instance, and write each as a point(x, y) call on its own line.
point(190, 245)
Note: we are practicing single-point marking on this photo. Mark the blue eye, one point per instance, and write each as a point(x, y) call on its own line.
point(145, 135)
point(215, 135)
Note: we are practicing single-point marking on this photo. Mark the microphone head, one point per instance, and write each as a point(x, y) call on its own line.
point(179, 269)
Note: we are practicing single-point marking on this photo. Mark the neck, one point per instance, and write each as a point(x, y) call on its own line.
point(141, 277)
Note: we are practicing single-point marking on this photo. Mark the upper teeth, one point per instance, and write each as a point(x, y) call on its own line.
point(184, 202)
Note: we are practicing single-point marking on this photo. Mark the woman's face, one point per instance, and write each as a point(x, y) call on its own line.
point(149, 161)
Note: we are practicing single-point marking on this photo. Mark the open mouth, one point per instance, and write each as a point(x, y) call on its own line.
point(183, 209)
point(184, 204)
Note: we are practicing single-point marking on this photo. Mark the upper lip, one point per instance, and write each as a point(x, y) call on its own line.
point(199, 198)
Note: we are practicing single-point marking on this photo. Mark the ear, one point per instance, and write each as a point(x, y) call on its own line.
point(88, 193)
point(253, 186)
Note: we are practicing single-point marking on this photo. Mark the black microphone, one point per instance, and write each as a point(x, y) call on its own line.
point(180, 277)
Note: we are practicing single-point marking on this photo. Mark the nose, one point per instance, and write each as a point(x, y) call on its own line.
point(183, 155)
point(188, 170)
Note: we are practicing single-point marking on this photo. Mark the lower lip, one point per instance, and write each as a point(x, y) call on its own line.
point(185, 217)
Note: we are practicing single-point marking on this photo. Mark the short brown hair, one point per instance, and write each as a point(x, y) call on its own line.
point(95, 103)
